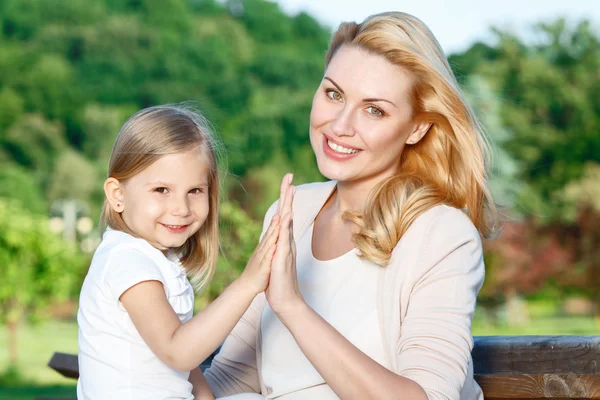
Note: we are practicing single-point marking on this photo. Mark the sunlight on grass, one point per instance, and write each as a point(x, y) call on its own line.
point(36, 346)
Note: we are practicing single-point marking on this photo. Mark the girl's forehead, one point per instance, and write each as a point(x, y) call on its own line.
point(178, 168)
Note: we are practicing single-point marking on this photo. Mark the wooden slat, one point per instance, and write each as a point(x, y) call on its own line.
point(537, 354)
point(539, 386)
point(66, 364)
point(506, 367)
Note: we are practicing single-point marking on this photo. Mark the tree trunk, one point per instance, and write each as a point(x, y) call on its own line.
point(13, 350)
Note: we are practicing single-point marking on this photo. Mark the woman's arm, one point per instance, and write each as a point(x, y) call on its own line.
point(201, 390)
point(234, 369)
point(349, 372)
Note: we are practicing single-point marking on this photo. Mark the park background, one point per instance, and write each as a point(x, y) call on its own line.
point(72, 71)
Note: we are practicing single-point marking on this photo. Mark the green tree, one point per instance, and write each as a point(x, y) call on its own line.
point(17, 183)
point(37, 268)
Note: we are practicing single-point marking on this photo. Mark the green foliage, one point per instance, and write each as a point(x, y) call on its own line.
point(239, 236)
point(72, 72)
point(549, 104)
point(17, 183)
point(37, 266)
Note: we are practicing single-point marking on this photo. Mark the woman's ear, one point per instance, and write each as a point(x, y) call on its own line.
point(114, 194)
point(418, 132)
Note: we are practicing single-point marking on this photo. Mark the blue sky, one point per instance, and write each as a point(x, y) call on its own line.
point(456, 23)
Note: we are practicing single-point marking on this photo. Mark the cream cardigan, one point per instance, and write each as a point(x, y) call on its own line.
point(426, 301)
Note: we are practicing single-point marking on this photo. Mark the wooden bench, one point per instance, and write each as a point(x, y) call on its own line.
point(506, 367)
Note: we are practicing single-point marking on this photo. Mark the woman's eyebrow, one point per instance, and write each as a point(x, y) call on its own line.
point(367, 100)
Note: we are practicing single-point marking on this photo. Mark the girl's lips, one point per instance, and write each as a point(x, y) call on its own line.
point(329, 152)
point(175, 228)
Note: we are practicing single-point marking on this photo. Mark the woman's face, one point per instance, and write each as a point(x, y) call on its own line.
point(361, 117)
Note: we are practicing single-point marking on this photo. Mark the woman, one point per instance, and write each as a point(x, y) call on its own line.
point(372, 292)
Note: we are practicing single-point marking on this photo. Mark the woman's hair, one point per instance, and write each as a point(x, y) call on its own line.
point(149, 135)
point(448, 165)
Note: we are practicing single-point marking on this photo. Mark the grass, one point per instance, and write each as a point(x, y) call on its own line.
point(564, 325)
point(33, 392)
point(36, 344)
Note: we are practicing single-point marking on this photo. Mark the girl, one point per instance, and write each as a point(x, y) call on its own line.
point(137, 337)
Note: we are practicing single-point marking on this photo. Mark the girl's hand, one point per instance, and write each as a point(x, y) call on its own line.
point(283, 293)
point(257, 271)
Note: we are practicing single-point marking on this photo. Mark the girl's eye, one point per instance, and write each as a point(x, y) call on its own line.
point(162, 190)
point(333, 94)
point(197, 191)
point(374, 111)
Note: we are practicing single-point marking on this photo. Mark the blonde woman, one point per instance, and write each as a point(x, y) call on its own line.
point(373, 288)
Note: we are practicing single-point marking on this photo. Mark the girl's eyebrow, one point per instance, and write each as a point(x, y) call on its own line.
point(367, 100)
point(157, 183)
point(161, 183)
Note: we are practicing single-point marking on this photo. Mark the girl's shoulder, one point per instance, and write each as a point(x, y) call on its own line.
point(121, 244)
point(122, 261)
point(119, 250)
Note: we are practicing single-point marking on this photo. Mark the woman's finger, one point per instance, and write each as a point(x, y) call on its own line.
point(283, 246)
point(288, 200)
point(286, 181)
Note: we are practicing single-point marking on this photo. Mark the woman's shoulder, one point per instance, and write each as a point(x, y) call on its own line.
point(308, 198)
point(434, 235)
point(442, 221)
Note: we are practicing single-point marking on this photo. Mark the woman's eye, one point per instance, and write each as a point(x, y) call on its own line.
point(374, 111)
point(333, 94)
point(162, 190)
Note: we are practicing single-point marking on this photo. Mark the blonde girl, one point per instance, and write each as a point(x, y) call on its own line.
point(137, 336)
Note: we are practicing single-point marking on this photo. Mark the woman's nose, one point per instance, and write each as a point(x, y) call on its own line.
point(343, 124)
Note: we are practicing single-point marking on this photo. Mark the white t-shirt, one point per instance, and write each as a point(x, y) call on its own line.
point(114, 361)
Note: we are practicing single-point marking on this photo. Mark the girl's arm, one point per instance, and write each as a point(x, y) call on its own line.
point(185, 346)
point(201, 390)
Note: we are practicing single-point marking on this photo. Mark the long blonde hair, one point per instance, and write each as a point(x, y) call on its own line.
point(144, 138)
point(448, 166)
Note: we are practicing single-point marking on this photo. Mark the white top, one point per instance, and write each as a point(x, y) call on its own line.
point(114, 361)
point(425, 303)
point(344, 292)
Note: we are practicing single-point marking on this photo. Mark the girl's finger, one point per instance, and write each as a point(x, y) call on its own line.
point(270, 235)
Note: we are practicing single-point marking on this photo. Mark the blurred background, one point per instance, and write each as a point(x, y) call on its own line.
point(72, 71)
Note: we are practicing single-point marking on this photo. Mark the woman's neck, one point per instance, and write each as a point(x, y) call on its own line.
point(351, 196)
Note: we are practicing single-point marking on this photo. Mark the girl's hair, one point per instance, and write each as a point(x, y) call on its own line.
point(149, 135)
point(448, 166)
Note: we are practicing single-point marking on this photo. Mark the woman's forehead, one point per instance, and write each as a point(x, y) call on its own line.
point(358, 71)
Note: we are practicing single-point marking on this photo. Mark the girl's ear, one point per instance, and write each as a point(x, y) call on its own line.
point(114, 194)
point(418, 132)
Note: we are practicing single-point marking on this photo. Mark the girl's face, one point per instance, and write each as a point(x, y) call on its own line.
point(361, 117)
point(168, 202)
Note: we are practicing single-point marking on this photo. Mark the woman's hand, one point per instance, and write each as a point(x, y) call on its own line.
point(257, 271)
point(283, 294)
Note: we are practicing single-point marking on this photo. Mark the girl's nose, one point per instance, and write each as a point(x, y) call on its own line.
point(180, 207)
